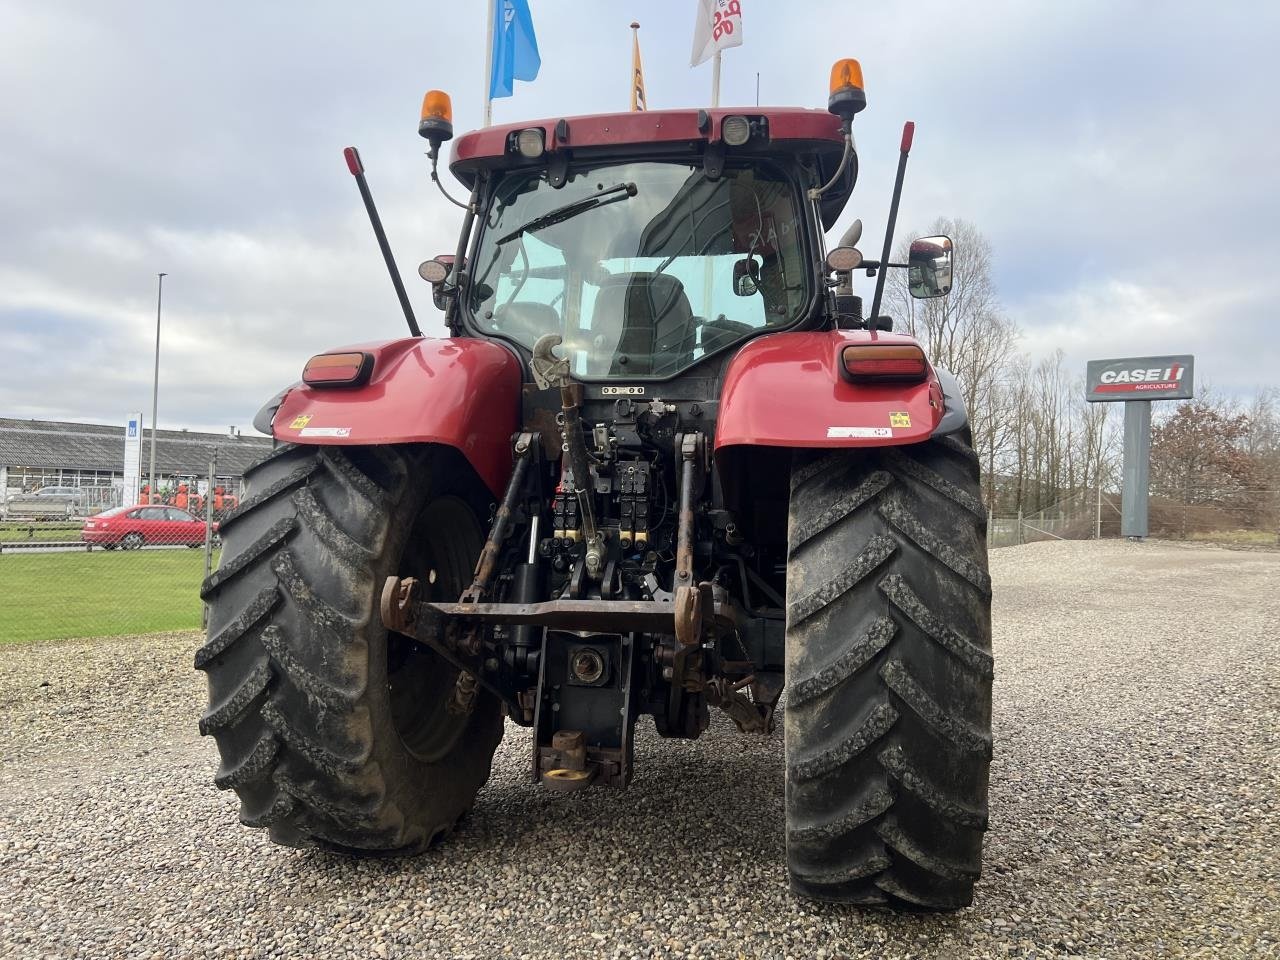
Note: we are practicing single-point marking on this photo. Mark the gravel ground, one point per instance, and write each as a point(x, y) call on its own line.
point(1134, 807)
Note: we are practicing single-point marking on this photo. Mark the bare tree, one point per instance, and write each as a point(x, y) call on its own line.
point(966, 333)
point(1039, 441)
point(1264, 425)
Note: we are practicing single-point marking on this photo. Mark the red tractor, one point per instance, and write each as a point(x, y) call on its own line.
point(662, 461)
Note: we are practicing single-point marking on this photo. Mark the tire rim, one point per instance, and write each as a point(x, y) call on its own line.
point(442, 550)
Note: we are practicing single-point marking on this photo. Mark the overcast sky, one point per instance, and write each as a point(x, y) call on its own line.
point(1122, 158)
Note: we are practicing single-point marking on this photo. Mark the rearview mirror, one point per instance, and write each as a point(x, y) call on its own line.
point(929, 267)
point(746, 277)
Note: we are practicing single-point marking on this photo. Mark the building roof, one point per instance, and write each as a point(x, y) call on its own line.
point(93, 446)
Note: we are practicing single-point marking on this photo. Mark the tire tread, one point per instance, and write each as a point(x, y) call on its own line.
point(890, 669)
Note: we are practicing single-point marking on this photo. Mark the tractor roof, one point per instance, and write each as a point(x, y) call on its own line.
point(790, 130)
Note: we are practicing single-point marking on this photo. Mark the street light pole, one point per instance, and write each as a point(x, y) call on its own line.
point(155, 394)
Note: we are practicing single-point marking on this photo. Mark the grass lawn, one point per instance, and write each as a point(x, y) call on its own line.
point(36, 530)
point(99, 594)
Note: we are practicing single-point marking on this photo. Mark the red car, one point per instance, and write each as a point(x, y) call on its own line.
point(132, 527)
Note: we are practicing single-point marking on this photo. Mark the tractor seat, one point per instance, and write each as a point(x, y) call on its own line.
point(525, 321)
point(646, 318)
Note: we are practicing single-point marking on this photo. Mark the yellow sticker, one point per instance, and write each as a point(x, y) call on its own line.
point(899, 419)
point(300, 422)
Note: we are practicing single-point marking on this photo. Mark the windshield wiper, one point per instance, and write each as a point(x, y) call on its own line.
point(621, 191)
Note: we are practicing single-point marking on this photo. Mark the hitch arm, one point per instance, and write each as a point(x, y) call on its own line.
point(552, 371)
point(404, 613)
point(485, 566)
point(689, 599)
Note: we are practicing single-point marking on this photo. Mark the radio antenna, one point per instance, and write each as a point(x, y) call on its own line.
point(908, 133)
point(357, 170)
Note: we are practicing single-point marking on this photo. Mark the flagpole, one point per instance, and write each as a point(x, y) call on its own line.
point(488, 66)
point(635, 59)
point(708, 270)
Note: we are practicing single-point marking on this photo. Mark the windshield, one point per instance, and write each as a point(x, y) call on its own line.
point(641, 268)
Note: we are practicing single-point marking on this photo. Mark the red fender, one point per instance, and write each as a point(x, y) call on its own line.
point(786, 390)
point(460, 392)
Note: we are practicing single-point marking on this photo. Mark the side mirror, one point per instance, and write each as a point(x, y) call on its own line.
point(929, 267)
point(746, 277)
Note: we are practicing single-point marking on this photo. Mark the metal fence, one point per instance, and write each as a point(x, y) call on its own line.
point(80, 501)
point(136, 570)
point(82, 566)
point(1246, 516)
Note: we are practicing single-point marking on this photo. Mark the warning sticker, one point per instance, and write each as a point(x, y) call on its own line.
point(899, 419)
point(300, 422)
point(325, 432)
point(860, 433)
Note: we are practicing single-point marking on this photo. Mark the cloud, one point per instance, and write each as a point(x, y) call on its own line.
point(1116, 318)
point(1118, 157)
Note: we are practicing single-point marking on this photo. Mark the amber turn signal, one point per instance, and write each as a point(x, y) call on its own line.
point(875, 362)
point(337, 370)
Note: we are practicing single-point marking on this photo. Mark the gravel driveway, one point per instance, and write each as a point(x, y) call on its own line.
point(1134, 807)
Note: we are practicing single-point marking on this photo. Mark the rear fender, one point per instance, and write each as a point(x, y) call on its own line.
point(463, 393)
point(786, 390)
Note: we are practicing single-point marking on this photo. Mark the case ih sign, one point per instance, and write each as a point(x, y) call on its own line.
point(1141, 378)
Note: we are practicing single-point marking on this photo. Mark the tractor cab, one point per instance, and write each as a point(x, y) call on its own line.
point(648, 243)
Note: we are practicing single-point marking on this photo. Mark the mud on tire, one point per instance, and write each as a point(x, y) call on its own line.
point(331, 731)
point(888, 715)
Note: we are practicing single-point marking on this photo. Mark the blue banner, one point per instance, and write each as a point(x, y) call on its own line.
point(515, 48)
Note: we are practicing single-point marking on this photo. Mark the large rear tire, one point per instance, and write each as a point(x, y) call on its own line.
point(888, 714)
point(332, 731)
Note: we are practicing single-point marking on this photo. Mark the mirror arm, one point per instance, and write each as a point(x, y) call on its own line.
point(453, 282)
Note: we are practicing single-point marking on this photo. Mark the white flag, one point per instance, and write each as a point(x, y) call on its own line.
point(719, 25)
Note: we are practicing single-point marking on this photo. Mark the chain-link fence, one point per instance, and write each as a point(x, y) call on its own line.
point(1248, 516)
point(69, 570)
point(74, 564)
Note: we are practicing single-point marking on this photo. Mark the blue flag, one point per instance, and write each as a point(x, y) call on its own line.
point(515, 48)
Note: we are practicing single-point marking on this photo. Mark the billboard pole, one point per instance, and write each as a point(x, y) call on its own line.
point(1137, 381)
point(1137, 469)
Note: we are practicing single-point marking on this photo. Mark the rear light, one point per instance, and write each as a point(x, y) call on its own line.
point(869, 363)
point(735, 131)
point(354, 163)
point(338, 369)
point(433, 271)
point(844, 259)
point(530, 143)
